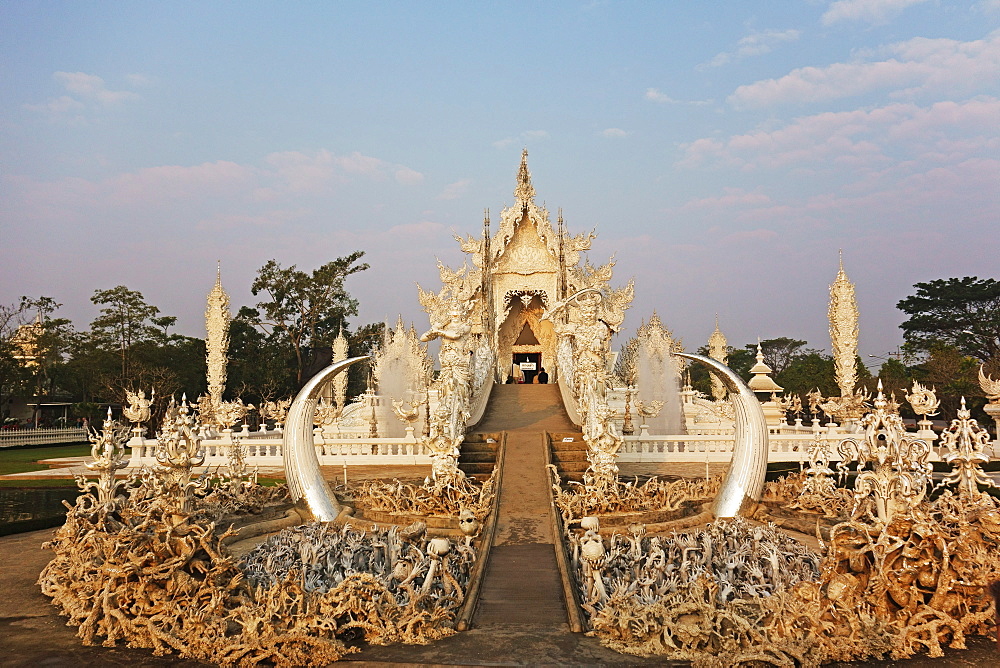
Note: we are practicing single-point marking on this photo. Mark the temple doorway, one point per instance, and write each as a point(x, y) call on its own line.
point(523, 338)
point(526, 354)
point(529, 364)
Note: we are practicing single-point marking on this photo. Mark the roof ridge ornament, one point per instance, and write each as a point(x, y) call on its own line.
point(524, 192)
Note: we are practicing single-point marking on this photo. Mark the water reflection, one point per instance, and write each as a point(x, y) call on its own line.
point(30, 508)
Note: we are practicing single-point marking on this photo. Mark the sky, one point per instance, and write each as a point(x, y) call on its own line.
point(724, 152)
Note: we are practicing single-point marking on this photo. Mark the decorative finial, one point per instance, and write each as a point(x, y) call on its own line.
point(524, 192)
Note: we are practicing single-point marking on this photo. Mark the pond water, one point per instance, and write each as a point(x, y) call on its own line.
point(31, 508)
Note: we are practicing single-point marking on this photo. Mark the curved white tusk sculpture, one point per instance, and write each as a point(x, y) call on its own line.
point(305, 481)
point(744, 482)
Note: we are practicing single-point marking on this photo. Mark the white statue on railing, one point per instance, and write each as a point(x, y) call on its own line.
point(589, 338)
point(454, 384)
point(138, 410)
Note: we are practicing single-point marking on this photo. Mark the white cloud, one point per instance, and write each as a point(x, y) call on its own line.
point(85, 92)
point(92, 87)
point(58, 106)
point(876, 12)
point(656, 96)
point(614, 133)
point(754, 44)
point(138, 80)
point(522, 138)
point(919, 66)
point(988, 6)
point(455, 190)
point(319, 171)
point(408, 177)
point(861, 138)
point(744, 236)
point(732, 197)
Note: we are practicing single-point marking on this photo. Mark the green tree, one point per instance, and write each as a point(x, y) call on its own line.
point(896, 378)
point(778, 353)
point(261, 366)
point(954, 375)
point(306, 309)
point(959, 312)
point(14, 374)
point(124, 322)
point(806, 372)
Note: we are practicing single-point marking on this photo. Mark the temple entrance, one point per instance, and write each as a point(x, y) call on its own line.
point(525, 343)
point(529, 364)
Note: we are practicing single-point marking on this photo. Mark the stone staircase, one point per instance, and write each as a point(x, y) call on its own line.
point(569, 454)
point(478, 454)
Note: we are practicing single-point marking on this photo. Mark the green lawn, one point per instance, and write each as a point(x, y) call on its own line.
point(20, 460)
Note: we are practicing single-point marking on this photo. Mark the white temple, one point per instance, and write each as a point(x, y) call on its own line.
point(526, 300)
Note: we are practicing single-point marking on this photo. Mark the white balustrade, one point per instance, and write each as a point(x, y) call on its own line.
point(719, 447)
point(264, 449)
point(17, 437)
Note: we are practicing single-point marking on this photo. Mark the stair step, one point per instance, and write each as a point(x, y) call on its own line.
point(486, 448)
point(476, 468)
point(566, 456)
point(477, 457)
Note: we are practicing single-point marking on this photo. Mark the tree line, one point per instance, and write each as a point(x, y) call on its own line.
point(274, 346)
point(952, 326)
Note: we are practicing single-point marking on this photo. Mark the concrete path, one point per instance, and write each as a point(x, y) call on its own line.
point(521, 584)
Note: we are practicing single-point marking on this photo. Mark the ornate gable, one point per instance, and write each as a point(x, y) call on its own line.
point(527, 253)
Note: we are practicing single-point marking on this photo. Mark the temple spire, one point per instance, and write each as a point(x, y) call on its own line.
point(524, 193)
point(562, 257)
point(843, 316)
point(217, 319)
point(718, 349)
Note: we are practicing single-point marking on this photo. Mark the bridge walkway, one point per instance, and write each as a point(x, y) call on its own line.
point(521, 616)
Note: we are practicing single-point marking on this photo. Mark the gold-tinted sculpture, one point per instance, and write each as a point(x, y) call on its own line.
point(138, 410)
point(892, 466)
point(217, 319)
point(718, 349)
point(843, 315)
point(965, 442)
